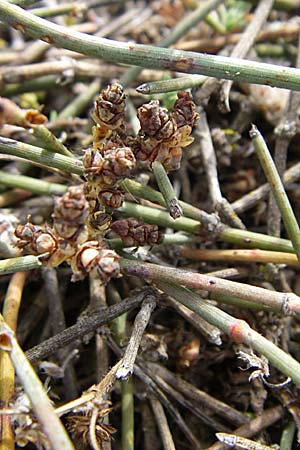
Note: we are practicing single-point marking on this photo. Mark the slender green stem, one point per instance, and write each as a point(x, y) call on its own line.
point(148, 193)
point(20, 263)
point(175, 84)
point(43, 409)
point(38, 84)
point(58, 10)
point(287, 302)
point(127, 415)
point(277, 188)
point(40, 156)
point(147, 56)
point(250, 239)
point(30, 184)
point(167, 190)
point(287, 437)
point(237, 329)
point(119, 331)
point(49, 141)
point(231, 235)
point(159, 217)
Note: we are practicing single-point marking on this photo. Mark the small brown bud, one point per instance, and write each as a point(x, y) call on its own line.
point(134, 233)
point(45, 242)
point(25, 234)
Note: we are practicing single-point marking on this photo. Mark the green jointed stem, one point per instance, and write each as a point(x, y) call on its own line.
point(174, 84)
point(58, 10)
point(148, 56)
point(159, 217)
point(250, 239)
point(21, 263)
point(287, 302)
point(277, 188)
point(30, 184)
point(167, 190)
point(287, 437)
point(230, 325)
point(40, 156)
point(127, 415)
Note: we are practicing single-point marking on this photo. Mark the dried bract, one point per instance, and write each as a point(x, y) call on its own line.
point(134, 233)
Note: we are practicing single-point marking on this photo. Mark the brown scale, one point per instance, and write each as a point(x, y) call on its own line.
point(134, 233)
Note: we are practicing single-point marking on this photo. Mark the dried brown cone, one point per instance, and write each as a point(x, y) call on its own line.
point(11, 113)
point(163, 134)
point(91, 256)
point(112, 165)
point(155, 121)
point(119, 162)
point(109, 107)
point(70, 215)
point(134, 233)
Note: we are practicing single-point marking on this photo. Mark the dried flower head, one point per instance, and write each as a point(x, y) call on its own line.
point(107, 168)
point(134, 233)
point(92, 257)
point(93, 163)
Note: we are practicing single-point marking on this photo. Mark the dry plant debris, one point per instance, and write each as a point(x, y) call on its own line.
point(149, 274)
